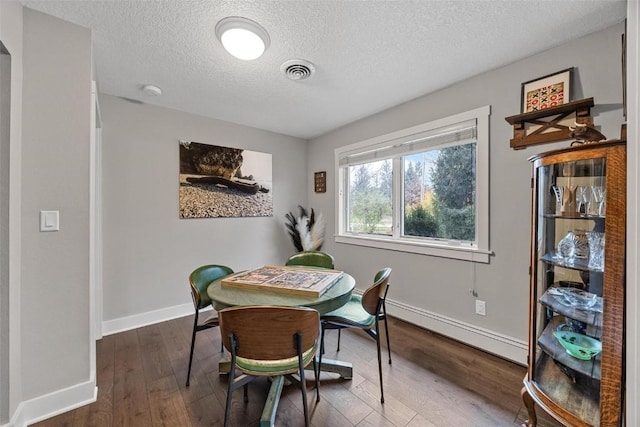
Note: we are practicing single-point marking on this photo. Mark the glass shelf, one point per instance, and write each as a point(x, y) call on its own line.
point(552, 347)
point(591, 316)
point(580, 264)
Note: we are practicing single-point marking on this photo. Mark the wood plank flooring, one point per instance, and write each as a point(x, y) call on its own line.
point(433, 381)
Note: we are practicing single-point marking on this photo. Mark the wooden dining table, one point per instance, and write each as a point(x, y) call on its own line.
point(229, 296)
point(335, 297)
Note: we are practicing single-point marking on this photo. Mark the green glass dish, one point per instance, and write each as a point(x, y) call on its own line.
point(577, 345)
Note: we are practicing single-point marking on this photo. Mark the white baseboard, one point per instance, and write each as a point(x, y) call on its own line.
point(485, 339)
point(490, 341)
point(52, 404)
point(47, 406)
point(143, 319)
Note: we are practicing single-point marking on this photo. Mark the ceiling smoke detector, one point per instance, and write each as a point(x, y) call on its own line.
point(297, 69)
point(152, 90)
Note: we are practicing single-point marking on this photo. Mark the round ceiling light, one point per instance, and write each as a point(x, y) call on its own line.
point(242, 37)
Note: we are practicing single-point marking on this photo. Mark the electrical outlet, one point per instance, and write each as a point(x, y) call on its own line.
point(481, 308)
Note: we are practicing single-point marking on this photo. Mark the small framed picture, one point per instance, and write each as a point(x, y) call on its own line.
point(547, 91)
point(320, 181)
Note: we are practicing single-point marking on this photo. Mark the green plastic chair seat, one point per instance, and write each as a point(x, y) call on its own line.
point(274, 367)
point(352, 314)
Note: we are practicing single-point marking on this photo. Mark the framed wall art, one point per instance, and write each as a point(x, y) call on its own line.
point(548, 91)
point(320, 182)
point(218, 181)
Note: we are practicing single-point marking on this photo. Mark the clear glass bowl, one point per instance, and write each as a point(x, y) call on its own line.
point(578, 298)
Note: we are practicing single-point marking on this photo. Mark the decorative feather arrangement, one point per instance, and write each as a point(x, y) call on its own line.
point(306, 231)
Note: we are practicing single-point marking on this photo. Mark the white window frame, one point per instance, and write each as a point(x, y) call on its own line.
point(478, 252)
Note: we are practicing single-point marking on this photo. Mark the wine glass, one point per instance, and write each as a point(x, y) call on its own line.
point(582, 199)
point(558, 191)
point(599, 193)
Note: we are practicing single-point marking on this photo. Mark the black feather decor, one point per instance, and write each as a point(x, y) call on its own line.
point(305, 230)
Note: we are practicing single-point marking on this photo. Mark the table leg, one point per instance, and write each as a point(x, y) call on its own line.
point(224, 365)
point(344, 369)
point(268, 417)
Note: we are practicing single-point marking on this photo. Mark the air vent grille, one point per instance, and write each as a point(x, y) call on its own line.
point(297, 69)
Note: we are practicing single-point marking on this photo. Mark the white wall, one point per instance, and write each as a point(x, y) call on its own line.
point(55, 176)
point(5, 118)
point(11, 385)
point(48, 343)
point(434, 292)
point(148, 250)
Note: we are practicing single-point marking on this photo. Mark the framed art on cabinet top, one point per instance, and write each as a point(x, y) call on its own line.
point(547, 91)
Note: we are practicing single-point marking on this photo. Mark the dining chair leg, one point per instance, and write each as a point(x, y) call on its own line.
point(303, 383)
point(193, 341)
point(233, 384)
point(321, 339)
point(379, 363)
point(227, 409)
point(316, 374)
point(338, 348)
point(386, 330)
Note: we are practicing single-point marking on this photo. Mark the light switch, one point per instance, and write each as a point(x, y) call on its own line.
point(49, 220)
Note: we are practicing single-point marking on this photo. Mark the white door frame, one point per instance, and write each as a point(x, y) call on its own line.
point(95, 230)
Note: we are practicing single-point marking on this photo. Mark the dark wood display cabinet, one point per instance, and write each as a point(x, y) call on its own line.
point(576, 321)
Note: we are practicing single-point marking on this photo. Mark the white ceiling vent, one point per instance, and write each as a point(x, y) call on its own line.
point(297, 69)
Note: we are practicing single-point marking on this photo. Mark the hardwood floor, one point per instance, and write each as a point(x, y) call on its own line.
point(433, 381)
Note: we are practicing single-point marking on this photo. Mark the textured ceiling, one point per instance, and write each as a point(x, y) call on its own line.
point(369, 55)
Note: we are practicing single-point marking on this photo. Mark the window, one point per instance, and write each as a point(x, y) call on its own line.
point(424, 189)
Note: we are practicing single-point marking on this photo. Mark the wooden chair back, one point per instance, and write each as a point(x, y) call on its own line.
point(312, 259)
point(374, 296)
point(200, 279)
point(267, 332)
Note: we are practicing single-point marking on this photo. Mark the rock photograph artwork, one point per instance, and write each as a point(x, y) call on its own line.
point(220, 181)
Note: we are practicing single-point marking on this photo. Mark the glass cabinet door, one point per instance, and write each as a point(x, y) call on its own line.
point(569, 265)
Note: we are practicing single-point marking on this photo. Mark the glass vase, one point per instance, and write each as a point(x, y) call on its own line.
point(573, 245)
point(596, 250)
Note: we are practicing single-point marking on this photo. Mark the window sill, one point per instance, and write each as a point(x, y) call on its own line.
point(463, 253)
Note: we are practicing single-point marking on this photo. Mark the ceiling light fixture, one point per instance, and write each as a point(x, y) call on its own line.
point(242, 37)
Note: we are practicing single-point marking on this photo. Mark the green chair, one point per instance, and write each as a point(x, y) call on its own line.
point(312, 259)
point(268, 341)
point(199, 280)
point(363, 312)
